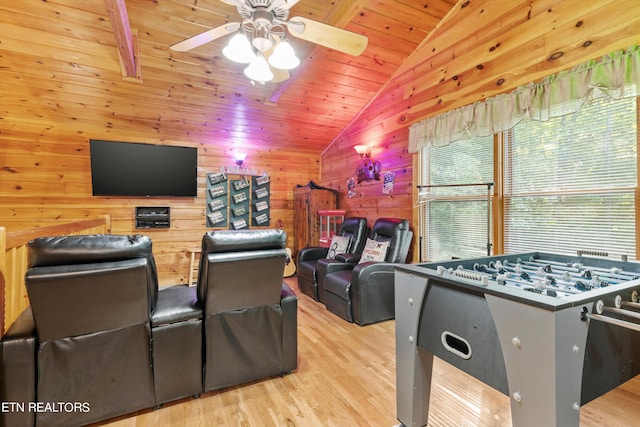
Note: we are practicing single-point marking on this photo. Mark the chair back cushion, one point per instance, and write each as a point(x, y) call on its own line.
point(338, 245)
point(66, 250)
point(241, 269)
point(78, 285)
point(396, 232)
point(357, 230)
point(374, 251)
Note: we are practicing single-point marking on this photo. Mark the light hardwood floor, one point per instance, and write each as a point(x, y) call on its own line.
point(346, 377)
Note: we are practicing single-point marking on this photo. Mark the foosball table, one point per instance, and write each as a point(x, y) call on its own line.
point(552, 332)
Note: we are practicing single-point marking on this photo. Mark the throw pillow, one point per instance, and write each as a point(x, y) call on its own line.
point(374, 251)
point(338, 245)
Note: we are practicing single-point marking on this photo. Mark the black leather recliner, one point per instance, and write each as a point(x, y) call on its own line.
point(86, 341)
point(101, 340)
point(18, 375)
point(364, 293)
point(355, 228)
point(92, 297)
point(250, 314)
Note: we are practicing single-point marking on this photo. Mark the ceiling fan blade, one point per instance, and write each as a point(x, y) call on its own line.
point(233, 2)
point(205, 37)
point(327, 35)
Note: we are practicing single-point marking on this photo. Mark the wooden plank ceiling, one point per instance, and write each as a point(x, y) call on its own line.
point(68, 52)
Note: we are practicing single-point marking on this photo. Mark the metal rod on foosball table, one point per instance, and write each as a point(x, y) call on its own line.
point(526, 284)
point(621, 275)
point(533, 270)
point(605, 276)
point(627, 313)
point(631, 304)
point(611, 320)
point(519, 283)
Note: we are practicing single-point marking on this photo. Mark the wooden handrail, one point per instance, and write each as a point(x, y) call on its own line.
point(13, 260)
point(22, 237)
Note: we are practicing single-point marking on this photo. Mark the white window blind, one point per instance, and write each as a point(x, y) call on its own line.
point(455, 217)
point(569, 182)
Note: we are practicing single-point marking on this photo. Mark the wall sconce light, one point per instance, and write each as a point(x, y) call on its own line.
point(362, 150)
point(368, 169)
point(240, 158)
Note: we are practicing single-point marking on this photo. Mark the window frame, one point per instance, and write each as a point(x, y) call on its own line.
point(499, 200)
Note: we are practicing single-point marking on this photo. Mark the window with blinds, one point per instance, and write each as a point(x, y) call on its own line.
point(569, 185)
point(454, 207)
point(569, 182)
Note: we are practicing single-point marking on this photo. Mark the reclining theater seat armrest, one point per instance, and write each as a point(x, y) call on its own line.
point(176, 304)
point(373, 292)
point(23, 327)
point(289, 304)
point(176, 327)
point(312, 253)
point(18, 373)
point(326, 266)
point(287, 294)
point(349, 258)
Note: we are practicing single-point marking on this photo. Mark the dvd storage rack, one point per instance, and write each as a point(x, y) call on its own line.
point(217, 204)
point(238, 201)
point(260, 201)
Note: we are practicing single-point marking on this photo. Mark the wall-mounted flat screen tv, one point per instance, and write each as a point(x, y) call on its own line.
point(143, 170)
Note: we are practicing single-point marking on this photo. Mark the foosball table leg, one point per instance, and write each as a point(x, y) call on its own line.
point(544, 358)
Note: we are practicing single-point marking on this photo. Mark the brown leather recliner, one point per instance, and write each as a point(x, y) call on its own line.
point(364, 293)
point(353, 227)
point(250, 314)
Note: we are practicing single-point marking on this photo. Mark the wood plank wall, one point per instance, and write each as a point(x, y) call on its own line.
point(479, 50)
point(45, 179)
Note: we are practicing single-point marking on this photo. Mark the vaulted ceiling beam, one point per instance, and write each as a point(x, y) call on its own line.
point(126, 40)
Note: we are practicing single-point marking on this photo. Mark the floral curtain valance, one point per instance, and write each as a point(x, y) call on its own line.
point(616, 74)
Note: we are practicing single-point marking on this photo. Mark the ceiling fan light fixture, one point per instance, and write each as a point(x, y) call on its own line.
point(239, 49)
point(262, 38)
point(258, 70)
point(284, 56)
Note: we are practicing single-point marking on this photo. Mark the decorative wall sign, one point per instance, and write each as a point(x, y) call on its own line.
point(351, 187)
point(387, 183)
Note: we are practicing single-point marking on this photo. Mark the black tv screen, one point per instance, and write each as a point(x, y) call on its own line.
point(143, 170)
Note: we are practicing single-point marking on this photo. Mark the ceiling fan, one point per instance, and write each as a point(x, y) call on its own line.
point(261, 39)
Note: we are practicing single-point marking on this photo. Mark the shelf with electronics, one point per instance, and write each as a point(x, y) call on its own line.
point(238, 198)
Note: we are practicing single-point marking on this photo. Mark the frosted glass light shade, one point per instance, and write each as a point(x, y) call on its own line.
point(258, 70)
point(239, 49)
point(263, 44)
point(240, 156)
point(362, 150)
point(284, 57)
